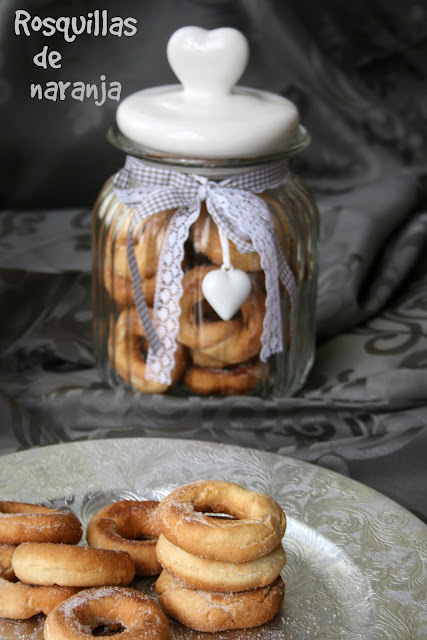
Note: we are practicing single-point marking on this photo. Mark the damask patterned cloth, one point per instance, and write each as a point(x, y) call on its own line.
point(360, 87)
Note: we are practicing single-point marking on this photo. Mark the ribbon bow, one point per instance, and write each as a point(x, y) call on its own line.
point(238, 213)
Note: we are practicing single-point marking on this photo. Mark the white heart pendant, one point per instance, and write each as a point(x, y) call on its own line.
point(226, 290)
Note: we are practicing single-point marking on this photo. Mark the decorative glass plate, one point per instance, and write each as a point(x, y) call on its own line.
point(357, 562)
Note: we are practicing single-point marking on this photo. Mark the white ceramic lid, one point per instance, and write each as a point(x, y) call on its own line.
point(207, 115)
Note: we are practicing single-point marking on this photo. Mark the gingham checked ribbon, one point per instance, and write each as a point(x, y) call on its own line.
point(237, 211)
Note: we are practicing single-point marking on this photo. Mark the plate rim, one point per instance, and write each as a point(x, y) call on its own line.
point(346, 480)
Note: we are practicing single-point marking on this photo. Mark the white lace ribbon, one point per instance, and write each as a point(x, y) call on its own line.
point(239, 213)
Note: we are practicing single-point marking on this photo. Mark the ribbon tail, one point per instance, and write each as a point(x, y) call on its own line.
point(167, 308)
point(276, 270)
point(288, 280)
point(140, 303)
point(155, 200)
point(271, 339)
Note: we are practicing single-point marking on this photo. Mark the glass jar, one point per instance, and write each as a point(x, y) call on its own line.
point(213, 355)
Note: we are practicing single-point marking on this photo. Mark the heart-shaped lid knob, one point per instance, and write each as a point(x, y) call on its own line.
point(207, 115)
point(208, 63)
